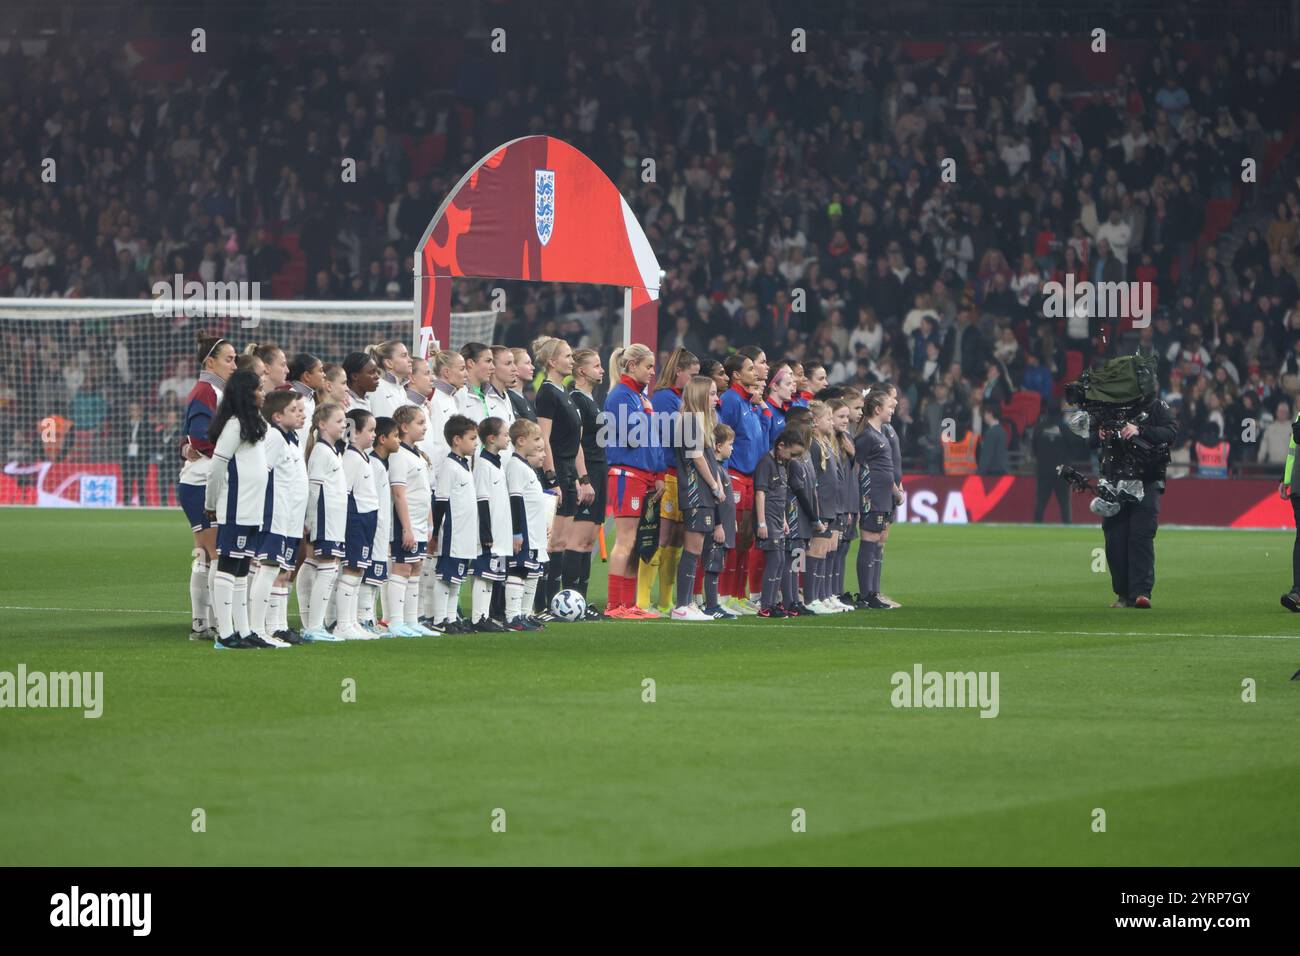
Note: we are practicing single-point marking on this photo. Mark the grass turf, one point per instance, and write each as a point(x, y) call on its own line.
point(1137, 713)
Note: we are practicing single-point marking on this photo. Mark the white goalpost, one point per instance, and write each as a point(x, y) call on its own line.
point(92, 391)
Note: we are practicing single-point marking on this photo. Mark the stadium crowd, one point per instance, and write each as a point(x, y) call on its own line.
point(798, 205)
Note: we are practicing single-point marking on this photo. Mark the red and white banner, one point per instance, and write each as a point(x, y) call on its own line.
point(535, 208)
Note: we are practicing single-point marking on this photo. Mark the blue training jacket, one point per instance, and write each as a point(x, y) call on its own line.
point(774, 422)
point(624, 405)
point(667, 403)
point(750, 428)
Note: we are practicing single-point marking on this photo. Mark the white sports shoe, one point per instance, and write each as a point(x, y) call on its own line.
point(820, 607)
point(354, 632)
point(275, 641)
point(689, 612)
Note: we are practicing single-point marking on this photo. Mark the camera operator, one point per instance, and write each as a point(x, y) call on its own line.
point(1131, 452)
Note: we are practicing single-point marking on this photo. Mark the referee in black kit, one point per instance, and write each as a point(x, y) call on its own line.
point(588, 374)
point(561, 425)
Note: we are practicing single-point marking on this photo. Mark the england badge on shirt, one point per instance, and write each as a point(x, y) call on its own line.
point(544, 204)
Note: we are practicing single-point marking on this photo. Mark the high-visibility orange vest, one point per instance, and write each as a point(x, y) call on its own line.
point(1212, 461)
point(959, 456)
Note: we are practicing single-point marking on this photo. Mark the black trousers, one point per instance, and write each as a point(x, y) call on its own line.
point(1295, 548)
point(1048, 486)
point(134, 472)
point(1131, 545)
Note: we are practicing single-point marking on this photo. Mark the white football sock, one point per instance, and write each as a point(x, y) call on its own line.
point(332, 606)
point(212, 595)
point(223, 588)
point(453, 599)
point(530, 593)
point(303, 585)
point(321, 589)
point(199, 594)
point(395, 599)
point(366, 603)
point(480, 599)
point(284, 606)
point(259, 598)
point(514, 598)
point(411, 612)
point(428, 589)
point(348, 586)
point(277, 609)
point(239, 606)
point(439, 612)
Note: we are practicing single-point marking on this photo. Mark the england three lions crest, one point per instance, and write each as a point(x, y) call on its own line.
point(544, 204)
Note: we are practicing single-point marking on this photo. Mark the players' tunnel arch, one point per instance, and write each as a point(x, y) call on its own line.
point(535, 208)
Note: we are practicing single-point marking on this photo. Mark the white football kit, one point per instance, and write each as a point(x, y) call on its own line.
point(287, 497)
point(384, 523)
point(362, 494)
point(490, 486)
point(237, 482)
point(327, 509)
point(522, 481)
point(458, 535)
point(406, 470)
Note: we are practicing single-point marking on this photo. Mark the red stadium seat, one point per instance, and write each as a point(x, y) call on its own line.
point(1023, 409)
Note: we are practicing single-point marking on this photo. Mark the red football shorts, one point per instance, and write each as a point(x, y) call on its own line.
point(627, 490)
point(742, 489)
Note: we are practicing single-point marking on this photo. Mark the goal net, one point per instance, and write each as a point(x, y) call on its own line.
point(92, 391)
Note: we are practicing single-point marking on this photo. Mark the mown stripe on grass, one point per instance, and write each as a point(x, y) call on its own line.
point(738, 624)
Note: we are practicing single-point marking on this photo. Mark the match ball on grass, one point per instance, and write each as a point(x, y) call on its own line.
point(569, 605)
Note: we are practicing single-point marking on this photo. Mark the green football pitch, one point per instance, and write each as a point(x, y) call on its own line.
point(765, 742)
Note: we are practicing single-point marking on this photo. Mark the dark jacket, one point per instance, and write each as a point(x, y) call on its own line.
point(1159, 428)
point(992, 454)
point(522, 406)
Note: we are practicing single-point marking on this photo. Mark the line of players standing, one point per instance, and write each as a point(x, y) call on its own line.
point(390, 480)
point(764, 495)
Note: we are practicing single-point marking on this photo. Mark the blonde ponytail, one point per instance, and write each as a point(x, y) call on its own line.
point(382, 352)
point(623, 357)
point(817, 409)
point(545, 353)
point(615, 359)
